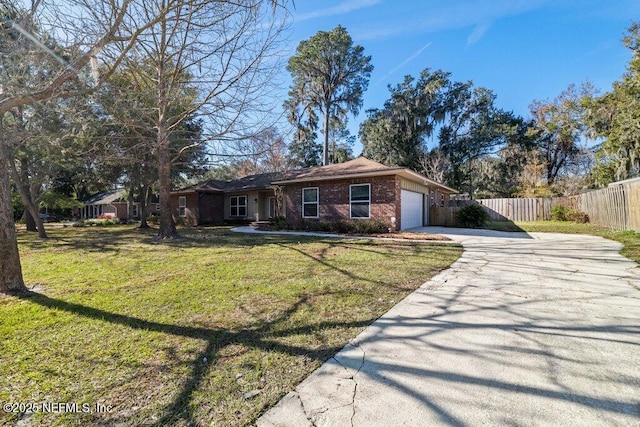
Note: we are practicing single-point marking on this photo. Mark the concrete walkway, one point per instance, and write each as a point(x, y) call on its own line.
point(524, 329)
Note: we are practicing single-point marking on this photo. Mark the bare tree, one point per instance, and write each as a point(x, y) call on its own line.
point(211, 59)
point(435, 165)
point(222, 45)
point(264, 152)
point(85, 30)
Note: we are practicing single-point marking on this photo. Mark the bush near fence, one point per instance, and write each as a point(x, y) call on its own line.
point(616, 207)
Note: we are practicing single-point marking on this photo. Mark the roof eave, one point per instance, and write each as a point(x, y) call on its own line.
point(426, 181)
point(333, 177)
point(405, 173)
point(238, 190)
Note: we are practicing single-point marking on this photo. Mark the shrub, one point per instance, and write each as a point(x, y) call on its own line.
point(558, 213)
point(361, 226)
point(472, 216)
point(98, 222)
point(279, 223)
point(370, 226)
point(561, 213)
point(577, 216)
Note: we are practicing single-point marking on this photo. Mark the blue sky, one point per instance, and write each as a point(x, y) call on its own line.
point(521, 49)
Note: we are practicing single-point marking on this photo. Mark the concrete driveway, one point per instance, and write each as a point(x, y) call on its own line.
point(524, 329)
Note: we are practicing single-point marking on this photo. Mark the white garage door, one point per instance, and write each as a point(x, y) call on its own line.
point(411, 209)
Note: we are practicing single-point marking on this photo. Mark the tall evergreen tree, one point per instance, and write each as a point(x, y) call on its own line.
point(330, 75)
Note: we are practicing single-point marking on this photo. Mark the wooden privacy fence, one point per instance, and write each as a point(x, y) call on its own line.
point(616, 207)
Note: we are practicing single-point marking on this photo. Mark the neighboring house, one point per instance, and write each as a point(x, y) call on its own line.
point(113, 204)
point(358, 189)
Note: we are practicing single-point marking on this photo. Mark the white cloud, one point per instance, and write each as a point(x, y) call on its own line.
point(477, 33)
point(340, 9)
point(413, 56)
point(441, 15)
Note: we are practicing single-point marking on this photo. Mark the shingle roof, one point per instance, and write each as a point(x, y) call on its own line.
point(209, 186)
point(353, 168)
point(116, 196)
point(105, 198)
point(361, 165)
point(251, 182)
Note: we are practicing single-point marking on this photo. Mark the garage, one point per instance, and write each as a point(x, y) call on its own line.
point(411, 209)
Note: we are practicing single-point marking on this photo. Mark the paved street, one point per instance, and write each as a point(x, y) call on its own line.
point(539, 329)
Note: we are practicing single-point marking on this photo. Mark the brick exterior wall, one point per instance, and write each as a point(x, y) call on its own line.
point(192, 212)
point(202, 209)
point(334, 199)
point(211, 209)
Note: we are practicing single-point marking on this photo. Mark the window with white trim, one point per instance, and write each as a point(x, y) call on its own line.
point(360, 200)
point(182, 206)
point(238, 206)
point(310, 202)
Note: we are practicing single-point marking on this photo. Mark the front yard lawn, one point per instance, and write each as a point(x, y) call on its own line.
point(211, 330)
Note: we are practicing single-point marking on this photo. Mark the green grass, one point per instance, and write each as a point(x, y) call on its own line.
point(630, 239)
point(175, 333)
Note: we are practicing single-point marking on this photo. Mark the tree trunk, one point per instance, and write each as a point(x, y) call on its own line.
point(30, 206)
point(22, 182)
point(10, 269)
point(144, 202)
point(325, 145)
point(28, 219)
point(130, 203)
point(167, 226)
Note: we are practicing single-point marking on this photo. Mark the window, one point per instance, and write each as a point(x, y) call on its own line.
point(135, 210)
point(310, 201)
point(360, 200)
point(442, 200)
point(238, 205)
point(182, 206)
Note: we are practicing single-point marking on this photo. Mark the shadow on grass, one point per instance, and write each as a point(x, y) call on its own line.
point(258, 336)
point(321, 258)
point(93, 239)
point(263, 335)
point(115, 238)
